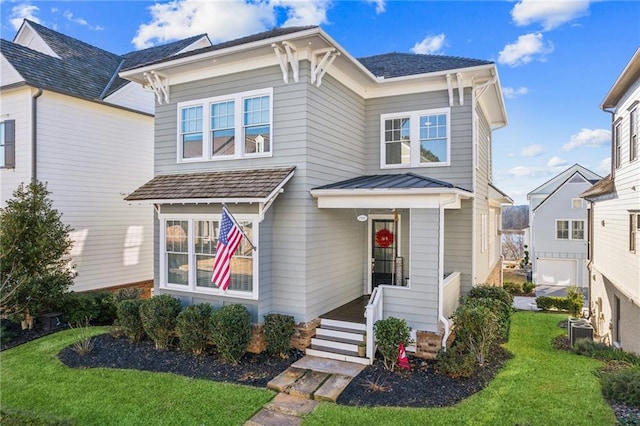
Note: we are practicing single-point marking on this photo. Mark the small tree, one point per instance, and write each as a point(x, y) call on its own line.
point(34, 247)
point(389, 334)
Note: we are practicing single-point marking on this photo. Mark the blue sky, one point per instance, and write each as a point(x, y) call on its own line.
point(556, 59)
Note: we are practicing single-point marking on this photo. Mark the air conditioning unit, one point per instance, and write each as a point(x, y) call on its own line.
point(574, 321)
point(581, 331)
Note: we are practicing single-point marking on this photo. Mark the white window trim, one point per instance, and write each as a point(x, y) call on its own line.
point(207, 143)
point(483, 233)
point(570, 227)
point(191, 286)
point(414, 138)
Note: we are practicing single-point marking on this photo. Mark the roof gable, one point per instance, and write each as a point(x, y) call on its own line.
point(575, 178)
point(558, 180)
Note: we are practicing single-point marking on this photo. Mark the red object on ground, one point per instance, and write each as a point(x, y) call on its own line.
point(403, 361)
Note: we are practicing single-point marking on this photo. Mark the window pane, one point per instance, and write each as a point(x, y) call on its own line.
point(192, 145)
point(191, 129)
point(433, 151)
point(433, 138)
point(222, 115)
point(242, 262)
point(256, 110)
point(204, 248)
point(577, 230)
point(2, 144)
point(562, 230)
point(224, 142)
point(257, 140)
point(176, 249)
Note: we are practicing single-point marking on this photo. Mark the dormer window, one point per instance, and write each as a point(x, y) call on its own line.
point(415, 139)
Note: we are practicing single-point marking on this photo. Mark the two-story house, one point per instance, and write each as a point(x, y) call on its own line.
point(558, 232)
point(67, 119)
point(357, 180)
point(614, 221)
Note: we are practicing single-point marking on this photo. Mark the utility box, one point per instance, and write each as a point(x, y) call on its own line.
point(52, 321)
point(581, 331)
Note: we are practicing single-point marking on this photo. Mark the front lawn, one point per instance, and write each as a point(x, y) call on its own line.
point(539, 386)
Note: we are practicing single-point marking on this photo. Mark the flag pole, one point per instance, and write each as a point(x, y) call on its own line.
point(224, 206)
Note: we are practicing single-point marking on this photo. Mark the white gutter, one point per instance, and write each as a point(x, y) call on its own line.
point(445, 321)
point(389, 191)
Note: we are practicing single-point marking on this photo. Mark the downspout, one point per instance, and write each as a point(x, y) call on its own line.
point(34, 135)
point(445, 322)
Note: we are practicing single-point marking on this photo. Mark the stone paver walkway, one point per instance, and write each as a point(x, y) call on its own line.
point(301, 386)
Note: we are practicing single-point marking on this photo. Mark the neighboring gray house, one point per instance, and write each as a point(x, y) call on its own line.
point(357, 179)
point(67, 119)
point(558, 228)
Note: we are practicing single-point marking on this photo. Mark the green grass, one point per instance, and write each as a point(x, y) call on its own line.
point(32, 379)
point(539, 386)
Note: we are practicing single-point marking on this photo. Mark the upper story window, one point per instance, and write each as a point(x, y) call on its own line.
point(237, 126)
point(576, 203)
point(7, 144)
point(618, 148)
point(415, 139)
point(188, 251)
point(634, 225)
point(633, 134)
point(570, 229)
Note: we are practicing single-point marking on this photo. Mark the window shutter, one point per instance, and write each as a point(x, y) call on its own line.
point(10, 144)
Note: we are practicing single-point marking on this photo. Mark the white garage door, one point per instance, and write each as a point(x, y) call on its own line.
point(556, 272)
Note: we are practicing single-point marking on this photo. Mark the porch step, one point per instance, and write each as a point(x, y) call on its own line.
point(338, 340)
point(330, 333)
point(320, 353)
point(330, 323)
point(336, 343)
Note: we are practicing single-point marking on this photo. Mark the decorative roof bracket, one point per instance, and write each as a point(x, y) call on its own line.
point(288, 56)
point(319, 68)
point(460, 88)
point(450, 89)
point(159, 84)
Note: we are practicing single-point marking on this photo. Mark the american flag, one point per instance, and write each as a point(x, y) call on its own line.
point(228, 241)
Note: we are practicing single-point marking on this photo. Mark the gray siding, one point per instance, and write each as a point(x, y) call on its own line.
point(418, 304)
point(480, 201)
point(458, 250)
point(459, 172)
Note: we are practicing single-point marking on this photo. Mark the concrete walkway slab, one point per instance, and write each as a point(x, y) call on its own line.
point(306, 385)
point(330, 366)
point(285, 379)
point(291, 405)
point(332, 388)
point(273, 418)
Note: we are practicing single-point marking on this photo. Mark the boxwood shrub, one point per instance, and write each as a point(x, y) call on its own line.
point(278, 330)
point(194, 328)
point(129, 321)
point(231, 332)
point(389, 334)
point(159, 316)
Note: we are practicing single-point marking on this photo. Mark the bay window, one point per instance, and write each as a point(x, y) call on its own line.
point(189, 250)
point(238, 126)
point(415, 139)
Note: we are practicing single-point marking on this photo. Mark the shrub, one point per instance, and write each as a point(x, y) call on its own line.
point(622, 386)
point(231, 332)
point(575, 300)
point(128, 313)
point(528, 287)
point(490, 292)
point(477, 329)
point(511, 287)
point(497, 299)
point(278, 330)
point(194, 328)
point(547, 303)
point(159, 315)
point(96, 307)
point(389, 334)
point(456, 362)
point(588, 347)
point(128, 293)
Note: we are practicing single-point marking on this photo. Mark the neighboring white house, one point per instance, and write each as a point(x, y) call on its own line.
point(615, 221)
point(67, 119)
point(557, 228)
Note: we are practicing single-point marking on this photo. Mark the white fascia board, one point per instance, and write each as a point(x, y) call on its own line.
point(386, 198)
point(200, 201)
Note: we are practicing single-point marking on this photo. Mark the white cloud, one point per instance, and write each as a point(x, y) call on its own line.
point(224, 20)
point(81, 21)
point(551, 14)
point(380, 5)
point(532, 151)
point(511, 93)
point(429, 45)
point(590, 138)
point(604, 168)
point(527, 171)
point(527, 48)
point(21, 12)
point(556, 162)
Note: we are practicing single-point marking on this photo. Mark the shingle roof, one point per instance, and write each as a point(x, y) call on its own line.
point(219, 185)
point(394, 181)
point(82, 70)
point(396, 64)
point(606, 185)
point(276, 32)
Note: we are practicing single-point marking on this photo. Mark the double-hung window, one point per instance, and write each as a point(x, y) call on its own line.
point(415, 139)
point(633, 134)
point(189, 251)
point(618, 148)
point(7, 144)
point(569, 229)
point(226, 127)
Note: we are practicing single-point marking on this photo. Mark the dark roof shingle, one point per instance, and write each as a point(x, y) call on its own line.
point(229, 184)
point(390, 65)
